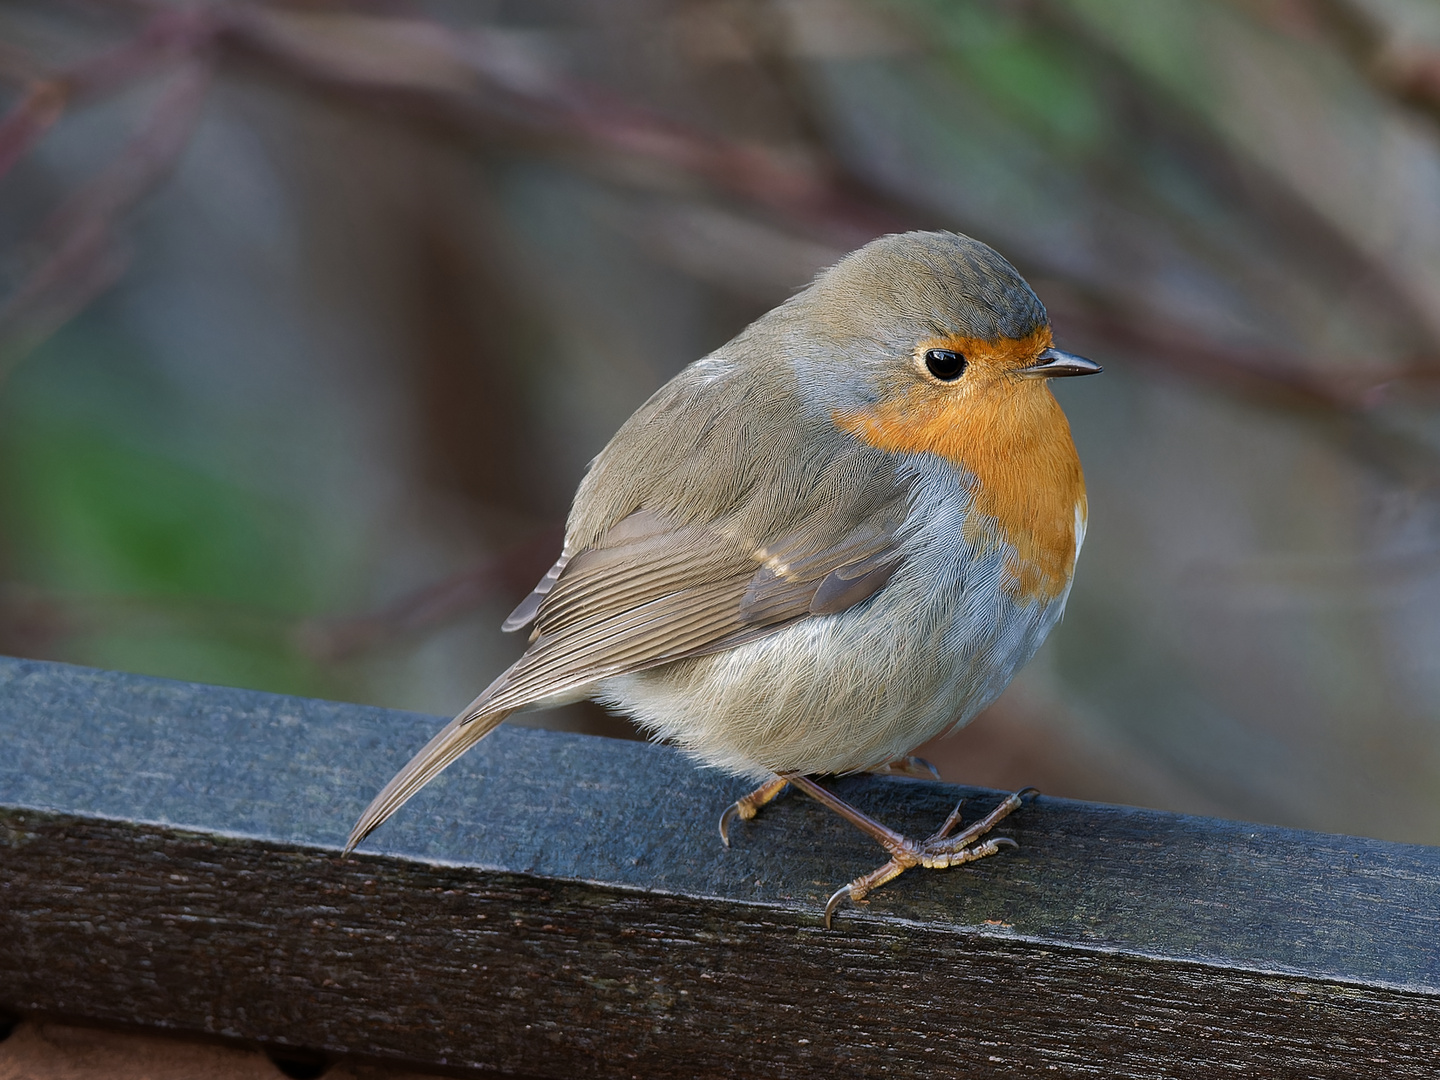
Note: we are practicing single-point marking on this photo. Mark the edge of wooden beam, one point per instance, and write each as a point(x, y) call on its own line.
point(560, 905)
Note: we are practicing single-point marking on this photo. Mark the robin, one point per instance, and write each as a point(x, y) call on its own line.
point(822, 545)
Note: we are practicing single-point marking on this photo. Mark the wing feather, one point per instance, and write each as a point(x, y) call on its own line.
point(524, 613)
point(649, 592)
point(659, 585)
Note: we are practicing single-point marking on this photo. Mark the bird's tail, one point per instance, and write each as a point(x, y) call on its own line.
point(453, 740)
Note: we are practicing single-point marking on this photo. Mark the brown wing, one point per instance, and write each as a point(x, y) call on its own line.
point(718, 513)
point(650, 592)
point(524, 614)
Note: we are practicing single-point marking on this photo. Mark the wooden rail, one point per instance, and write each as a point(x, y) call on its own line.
point(561, 906)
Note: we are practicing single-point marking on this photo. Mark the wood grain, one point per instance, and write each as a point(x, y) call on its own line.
point(560, 906)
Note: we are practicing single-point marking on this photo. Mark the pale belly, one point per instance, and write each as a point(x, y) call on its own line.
point(839, 693)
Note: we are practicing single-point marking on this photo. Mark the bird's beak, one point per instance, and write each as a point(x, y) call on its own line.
point(1053, 364)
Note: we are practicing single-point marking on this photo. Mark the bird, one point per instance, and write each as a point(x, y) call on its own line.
point(830, 540)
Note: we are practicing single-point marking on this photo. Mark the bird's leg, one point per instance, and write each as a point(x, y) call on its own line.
point(747, 806)
point(936, 852)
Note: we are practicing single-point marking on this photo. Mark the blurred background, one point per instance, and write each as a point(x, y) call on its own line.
point(313, 314)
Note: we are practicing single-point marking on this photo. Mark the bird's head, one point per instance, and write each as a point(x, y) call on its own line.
point(932, 343)
point(924, 327)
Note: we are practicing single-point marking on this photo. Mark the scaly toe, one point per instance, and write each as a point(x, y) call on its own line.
point(948, 826)
point(939, 856)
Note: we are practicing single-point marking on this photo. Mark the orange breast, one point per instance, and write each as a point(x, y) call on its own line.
point(1011, 435)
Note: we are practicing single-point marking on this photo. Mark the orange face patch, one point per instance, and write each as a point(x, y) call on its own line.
point(1010, 434)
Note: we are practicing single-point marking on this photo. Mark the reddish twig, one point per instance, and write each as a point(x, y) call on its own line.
point(537, 105)
point(168, 37)
point(33, 115)
point(464, 82)
point(469, 83)
point(555, 111)
point(173, 34)
point(1272, 377)
point(1403, 68)
point(81, 256)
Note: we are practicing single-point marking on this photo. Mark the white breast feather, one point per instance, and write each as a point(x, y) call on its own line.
point(838, 693)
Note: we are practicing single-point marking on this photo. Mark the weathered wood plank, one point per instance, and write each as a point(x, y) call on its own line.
point(558, 905)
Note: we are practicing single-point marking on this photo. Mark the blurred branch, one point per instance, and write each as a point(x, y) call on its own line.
point(1269, 377)
point(30, 620)
point(513, 571)
point(503, 98)
point(474, 82)
point(170, 36)
point(1404, 68)
point(35, 621)
point(35, 113)
point(1341, 404)
point(78, 253)
point(786, 215)
point(478, 84)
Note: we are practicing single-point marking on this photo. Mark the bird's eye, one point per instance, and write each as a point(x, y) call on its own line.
point(947, 365)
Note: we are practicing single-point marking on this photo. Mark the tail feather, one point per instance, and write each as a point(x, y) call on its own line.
point(453, 740)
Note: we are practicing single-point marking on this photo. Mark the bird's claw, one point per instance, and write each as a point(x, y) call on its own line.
point(917, 768)
point(938, 852)
point(837, 898)
point(747, 806)
point(731, 813)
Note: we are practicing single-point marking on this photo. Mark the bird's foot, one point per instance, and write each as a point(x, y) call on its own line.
point(917, 768)
point(936, 852)
point(747, 806)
